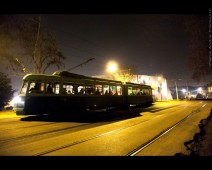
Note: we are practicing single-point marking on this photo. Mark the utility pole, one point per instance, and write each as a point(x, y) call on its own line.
point(176, 89)
point(187, 90)
point(36, 43)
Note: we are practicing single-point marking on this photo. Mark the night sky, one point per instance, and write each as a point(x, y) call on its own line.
point(152, 43)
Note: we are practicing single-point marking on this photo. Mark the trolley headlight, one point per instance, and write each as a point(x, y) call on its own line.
point(16, 99)
point(17, 102)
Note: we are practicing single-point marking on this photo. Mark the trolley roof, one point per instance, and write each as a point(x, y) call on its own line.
point(65, 74)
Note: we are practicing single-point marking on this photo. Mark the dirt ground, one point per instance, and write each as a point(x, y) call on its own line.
point(201, 144)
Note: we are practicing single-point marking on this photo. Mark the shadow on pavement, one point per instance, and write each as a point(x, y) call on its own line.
point(89, 116)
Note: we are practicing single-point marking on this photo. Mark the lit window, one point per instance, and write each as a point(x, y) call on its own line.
point(57, 88)
point(24, 88)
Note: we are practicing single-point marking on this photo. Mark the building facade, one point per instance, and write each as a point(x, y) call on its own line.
point(159, 85)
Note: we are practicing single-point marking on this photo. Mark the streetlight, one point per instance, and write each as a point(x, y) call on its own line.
point(120, 75)
point(199, 90)
point(112, 67)
point(184, 92)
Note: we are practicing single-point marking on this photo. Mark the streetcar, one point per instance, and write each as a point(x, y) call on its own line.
point(65, 92)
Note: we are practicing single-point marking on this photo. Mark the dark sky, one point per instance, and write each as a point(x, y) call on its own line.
point(152, 43)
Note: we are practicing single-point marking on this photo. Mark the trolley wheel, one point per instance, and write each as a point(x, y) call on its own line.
point(126, 106)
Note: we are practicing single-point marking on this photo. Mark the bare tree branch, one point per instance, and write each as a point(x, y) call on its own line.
point(28, 48)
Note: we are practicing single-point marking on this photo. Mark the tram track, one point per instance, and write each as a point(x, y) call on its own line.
point(134, 151)
point(28, 126)
point(104, 117)
point(62, 129)
point(86, 139)
point(42, 133)
point(124, 116)
point(161, 134)
point(39, 139)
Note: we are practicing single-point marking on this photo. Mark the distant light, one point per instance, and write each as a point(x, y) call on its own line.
point(112, 67)
point(183, 90)
point(199, 89)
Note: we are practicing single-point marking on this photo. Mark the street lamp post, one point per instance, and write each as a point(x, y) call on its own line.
point(176, 89)
point(161, 91)
point(175, 82)
point(159, 79)
point(187, 94)
point(184, 93)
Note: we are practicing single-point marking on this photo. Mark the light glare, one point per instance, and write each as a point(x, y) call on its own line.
point(16, 99)
point(112, 67)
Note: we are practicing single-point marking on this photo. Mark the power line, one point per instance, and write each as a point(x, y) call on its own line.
point(73, 47)
point(91, 59)
point(78, 37)
point(67, 33)
point(82, 39)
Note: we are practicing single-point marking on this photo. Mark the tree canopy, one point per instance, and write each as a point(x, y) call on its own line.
point(125, 74)
point(6, 91)
point(200, 43)
point(28, 47)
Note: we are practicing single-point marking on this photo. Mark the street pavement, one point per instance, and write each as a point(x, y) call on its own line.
point(200, 145)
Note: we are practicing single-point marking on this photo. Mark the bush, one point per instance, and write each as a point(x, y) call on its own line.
point(6, 91)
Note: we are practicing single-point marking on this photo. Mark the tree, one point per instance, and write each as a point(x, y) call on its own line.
point(5, 42)
point(200, 59)
point(126, 74)
point(6, 91)
point(28, 48)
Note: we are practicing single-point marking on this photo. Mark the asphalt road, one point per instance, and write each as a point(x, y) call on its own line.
point(162, 129)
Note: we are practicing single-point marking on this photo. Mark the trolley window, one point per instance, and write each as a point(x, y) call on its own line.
point(106, 89)
point(24, 88)
point(129, 91)
point(119, 90)
point(68, 88)
point(53, 87)
point(98, 89)
point(56, 88)
point(36, 87)
point(90, 90)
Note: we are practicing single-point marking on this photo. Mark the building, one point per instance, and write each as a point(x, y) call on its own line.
point(209, 91)
point(159, 85)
